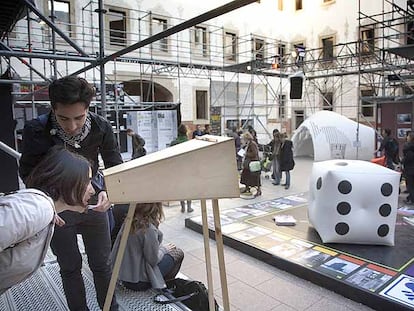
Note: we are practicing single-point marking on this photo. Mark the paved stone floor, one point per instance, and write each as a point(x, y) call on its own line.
point(253, 285)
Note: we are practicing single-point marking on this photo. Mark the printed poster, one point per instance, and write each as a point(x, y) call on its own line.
point(401, 290)
point(312, 258)
point(371, 277)
point(340, 266)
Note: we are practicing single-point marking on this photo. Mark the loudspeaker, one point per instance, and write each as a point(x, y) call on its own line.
point(296, 87)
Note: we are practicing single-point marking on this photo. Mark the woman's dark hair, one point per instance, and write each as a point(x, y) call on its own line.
point(61, 174)
point(70, 90)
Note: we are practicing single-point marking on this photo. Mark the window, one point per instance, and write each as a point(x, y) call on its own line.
point(299, 52)
point(233, 123)
point(258, 48)
point(159, 25)
point(201, 105)
point(367, 45)
point(280, 5)
point(367, 108)
point(327, 48)
point(230, 46)
point(298, 5)
point(327, 101)
point(282, 106)
point(61, 14)
point(117, 27)
point(200, 41)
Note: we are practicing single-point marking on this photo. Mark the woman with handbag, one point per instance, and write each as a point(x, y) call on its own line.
point(147, 263)
point(250, 176)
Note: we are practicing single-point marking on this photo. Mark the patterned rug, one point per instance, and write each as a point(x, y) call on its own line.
point(44, 291)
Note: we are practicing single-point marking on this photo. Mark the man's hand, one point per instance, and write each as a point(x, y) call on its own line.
point(103, 203)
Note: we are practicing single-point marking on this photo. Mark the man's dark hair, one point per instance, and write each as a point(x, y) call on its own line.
point(387, 132)
point(70, 90)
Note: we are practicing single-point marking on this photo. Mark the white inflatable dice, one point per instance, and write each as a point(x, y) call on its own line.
point(353, 201)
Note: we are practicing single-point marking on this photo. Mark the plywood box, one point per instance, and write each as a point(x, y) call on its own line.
point(202, 168)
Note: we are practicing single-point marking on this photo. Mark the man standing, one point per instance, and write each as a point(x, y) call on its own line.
point(70, 123)
point(138, 144)
point(389, 146)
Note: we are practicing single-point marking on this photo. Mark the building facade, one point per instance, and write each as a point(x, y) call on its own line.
point(270, 64)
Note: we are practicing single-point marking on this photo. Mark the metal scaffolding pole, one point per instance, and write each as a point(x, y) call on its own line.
point(170, 31)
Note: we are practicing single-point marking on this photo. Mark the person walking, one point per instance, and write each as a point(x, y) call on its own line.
point(274, 146)
point(287, 163)
point(182, 137)
point(389, 146)
point(72, 125)
point(248, 178)
point(138, 144)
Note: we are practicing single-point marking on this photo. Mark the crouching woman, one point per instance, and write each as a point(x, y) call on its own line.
point(61, 181)
point(147, 263)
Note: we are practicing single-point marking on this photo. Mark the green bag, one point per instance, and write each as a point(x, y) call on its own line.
point(255, 166)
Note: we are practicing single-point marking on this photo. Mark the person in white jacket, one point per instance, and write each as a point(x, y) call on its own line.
point(61, 181)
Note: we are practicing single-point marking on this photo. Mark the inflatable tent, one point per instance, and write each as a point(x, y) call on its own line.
point(327, 135)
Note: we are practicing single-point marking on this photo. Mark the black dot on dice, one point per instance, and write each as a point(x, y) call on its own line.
point(343, 208)
point(319, 183)
point(344, 187)
point(383, 230)
point(342, 228)
point(385, 210)
point(386, 189)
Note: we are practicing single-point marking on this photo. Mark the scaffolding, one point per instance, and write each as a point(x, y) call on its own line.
point(247, 75)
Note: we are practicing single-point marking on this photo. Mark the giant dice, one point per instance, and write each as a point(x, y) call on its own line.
point(353, 201)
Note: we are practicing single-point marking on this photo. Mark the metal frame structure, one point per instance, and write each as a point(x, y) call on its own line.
point(387, 58)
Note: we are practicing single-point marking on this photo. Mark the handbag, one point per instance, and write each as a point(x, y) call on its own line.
point(254, 166)
point(192, 293)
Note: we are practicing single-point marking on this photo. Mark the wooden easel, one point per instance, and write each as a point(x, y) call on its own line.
point(217, 180)
point(207, 253)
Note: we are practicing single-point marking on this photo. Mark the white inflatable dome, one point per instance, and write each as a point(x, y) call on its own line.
point(327, 135)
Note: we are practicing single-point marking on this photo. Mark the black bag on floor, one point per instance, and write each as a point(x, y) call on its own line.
point(193, 294)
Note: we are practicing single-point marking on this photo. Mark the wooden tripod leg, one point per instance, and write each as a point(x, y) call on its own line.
point(119, 255)
point(220, 254)
point(207, 254)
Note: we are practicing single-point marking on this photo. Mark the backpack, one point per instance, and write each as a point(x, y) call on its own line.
point(26, 229)
point(193, 294)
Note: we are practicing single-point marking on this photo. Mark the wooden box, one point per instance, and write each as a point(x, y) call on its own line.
point(203, 168)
